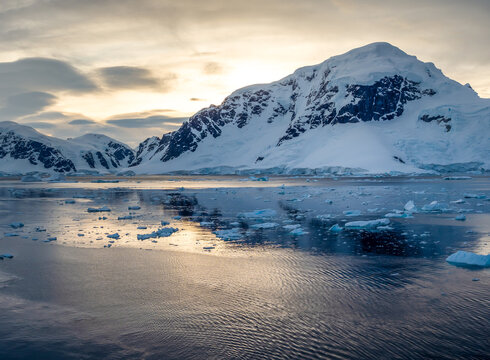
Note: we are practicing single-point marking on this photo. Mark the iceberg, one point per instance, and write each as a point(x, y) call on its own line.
point(268, 225)
point(369, 224)
point(228, 234)
point(466, 258)
point(335, 228)
point(352, 212)
point(410, 207)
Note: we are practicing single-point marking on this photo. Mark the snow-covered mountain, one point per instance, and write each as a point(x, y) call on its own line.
point(23, 149)
point(373, 109)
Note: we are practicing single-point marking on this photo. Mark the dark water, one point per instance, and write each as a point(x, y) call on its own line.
point(385, 294)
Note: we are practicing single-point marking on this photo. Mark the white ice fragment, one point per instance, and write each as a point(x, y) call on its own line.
point(410, 207)
point(352, 212)
point(459, 201)
point(291, 226)
point(369, 224)
point(324, 217)
point(298, 232)
point(398, 215)
point(264, 213)
point(435, 206)
point(461, 217)
point(466, 258)
point(335, 228)
point(457, 178)
point(228, 234)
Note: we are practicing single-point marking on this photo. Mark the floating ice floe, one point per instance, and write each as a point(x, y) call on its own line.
point(163, 232)
point(164, 223)
point(228, 234)
point(459, 201)
point(369, 224)
point(113, 236)
point(324, 217)
point(10, 234)
point(6, 256)
point(457, 178)
point(267, 225)
point(264, 213)
point(474, 196)
point(335, 228)
point(401, 215)
point(69, 201)
point(352, 212)
point(298, 232)
point(16, 225)
point(410, 207)
point(461, 217)
point(291, 226)
point(101, 209)
point(435, 206)
point(136, 207)
point(466, 258)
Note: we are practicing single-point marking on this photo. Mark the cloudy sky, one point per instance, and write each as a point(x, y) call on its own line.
point(137, 68)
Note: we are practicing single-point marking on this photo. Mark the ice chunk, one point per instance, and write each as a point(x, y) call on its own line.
point(101, 209)
point(127, 217)
point(398, 215)
point(16, 225)
point(473, 196)
point(69, 201)
point(264, 213)
point(324, 217)
point(164, 223)
point(134, 207)
point(267, 225)
point(113, 236)
point(10, 234)
point(457, 178)
point(459, 201)
point(335, 228)
point(410, 207)
point(352, 212)
point(6, 256)
point(461, 217)
point(228, 234)
point(466, 258)
point(369, 224)
point(163, 232)
point(298, 232)
point(291, 227)
point(435, 206)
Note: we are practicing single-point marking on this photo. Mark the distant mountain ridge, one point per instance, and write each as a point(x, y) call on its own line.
point(23, 149)
point(373, 109)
